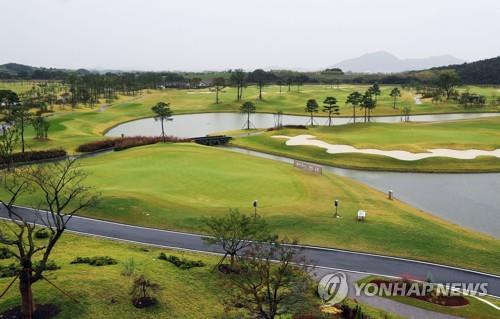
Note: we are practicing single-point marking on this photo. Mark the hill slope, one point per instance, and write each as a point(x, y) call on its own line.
point(480, 72)
point(384, 62)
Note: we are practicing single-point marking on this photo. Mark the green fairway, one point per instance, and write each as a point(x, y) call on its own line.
point(173, 185)
point(482, 134)
point(69, 128)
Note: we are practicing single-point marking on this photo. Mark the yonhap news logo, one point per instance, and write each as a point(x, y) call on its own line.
point(333, 288)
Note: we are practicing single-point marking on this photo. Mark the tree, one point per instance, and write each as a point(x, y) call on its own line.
point(8, 142)
point(368, 103)
point(354, 99)
point(143, 291)
point(234, 232)
point(195, 82)
point(237, 78)
point(274, 279)
point(21, 117)
point(312, 107)
point(61, 190)
point(395, 93)
point(375, 90)
point(218, 85)
point(248, 108)
point(41, 126)
point(8, 100)
point(447, 81)
point(261, 78)
point(331, 107)
point(405, 112)
point(163, 113)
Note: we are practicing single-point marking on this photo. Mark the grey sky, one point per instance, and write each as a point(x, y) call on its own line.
point(221, 34)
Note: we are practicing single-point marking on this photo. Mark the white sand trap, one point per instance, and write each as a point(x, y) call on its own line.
point(417, 100)
point(309, 140)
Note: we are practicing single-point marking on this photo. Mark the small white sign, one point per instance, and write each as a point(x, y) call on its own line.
point(361, 214)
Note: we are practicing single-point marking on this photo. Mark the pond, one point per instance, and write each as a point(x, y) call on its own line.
point(201, 124)
point(470, 200)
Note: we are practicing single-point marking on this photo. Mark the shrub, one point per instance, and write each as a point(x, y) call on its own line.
point(181, 263)
point(119, 144)
point(128, 267)
point(42, 233)
point(49, 265)
point(95, 261)
point(299, 127)
point(5, 253)
point(8, 270)
point(143, 291)
point(34, 156)
point(14, 269)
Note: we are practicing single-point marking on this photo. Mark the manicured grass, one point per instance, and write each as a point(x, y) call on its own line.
point(70, 128)
point(483, 134)
point(184, 293)
point(476, 309)
point(173, 185)
point(194, 293)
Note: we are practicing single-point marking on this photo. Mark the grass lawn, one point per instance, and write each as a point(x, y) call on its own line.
point(70, 128)
point(476, 309)
point(483, 134)
point(184, 294)
point(194, 293)
point(173, 185)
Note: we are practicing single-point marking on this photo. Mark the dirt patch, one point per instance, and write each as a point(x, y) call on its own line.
point(144, 302)
point(47, 311)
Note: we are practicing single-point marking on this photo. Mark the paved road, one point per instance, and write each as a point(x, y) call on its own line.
point(321, 257)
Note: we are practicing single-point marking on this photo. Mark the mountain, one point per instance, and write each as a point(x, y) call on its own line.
point(384, 62)
point(479, 72)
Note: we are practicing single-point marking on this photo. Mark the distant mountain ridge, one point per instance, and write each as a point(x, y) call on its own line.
point(384, 62)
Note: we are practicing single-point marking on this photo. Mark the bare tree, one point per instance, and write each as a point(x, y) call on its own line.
point(273, 280)
point(60, 189)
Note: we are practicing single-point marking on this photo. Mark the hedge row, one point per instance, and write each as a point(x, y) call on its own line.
point(119, 144)
point(33, 156)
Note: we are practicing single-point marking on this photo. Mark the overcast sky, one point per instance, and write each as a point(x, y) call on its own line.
point(222, 34)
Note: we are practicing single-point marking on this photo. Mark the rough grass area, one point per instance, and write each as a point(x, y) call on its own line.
point(172, 186)
point(481, 134)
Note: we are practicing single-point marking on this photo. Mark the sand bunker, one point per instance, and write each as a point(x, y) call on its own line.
point(310, 140)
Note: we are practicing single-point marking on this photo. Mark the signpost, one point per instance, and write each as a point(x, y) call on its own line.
point(308, 167)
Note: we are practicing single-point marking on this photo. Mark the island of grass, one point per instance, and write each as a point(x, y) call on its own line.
point(172, 186)
point(480, 134)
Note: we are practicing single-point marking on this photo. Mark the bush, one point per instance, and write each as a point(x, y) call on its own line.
point(42, 233)
point(299, 127)
point(9, 270)
point(119, 144)
point(5, 253)
point(181, 263)
point(50, 265)
point(128, 267)
point(95, 261)
point(14, 269)
point(34, 156)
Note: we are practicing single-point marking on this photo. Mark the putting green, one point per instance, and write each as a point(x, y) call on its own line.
point(173, 185)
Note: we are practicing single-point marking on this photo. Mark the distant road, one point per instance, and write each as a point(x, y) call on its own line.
point(321, 257)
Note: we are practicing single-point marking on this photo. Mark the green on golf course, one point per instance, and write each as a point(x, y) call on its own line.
point(172, 186)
